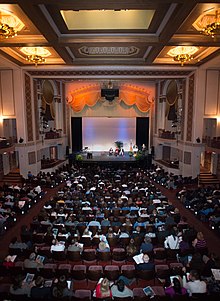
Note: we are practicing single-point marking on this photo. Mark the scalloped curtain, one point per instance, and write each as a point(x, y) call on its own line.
point(130, 95)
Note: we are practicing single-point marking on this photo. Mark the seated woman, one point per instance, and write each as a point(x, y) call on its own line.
point(102, 290)
point(175, 289)
point(116, 151)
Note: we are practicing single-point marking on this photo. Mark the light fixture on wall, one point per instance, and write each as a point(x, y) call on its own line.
point(182, 54)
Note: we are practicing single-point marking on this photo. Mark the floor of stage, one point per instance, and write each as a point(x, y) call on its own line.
point(104, 157)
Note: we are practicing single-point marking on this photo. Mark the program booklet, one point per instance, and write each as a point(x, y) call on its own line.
point(216, 274)
point(138, 258)
point(40, 258)
point(149, 291)
point(29, 278)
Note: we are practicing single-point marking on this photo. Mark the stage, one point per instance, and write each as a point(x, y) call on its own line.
point(103, 156)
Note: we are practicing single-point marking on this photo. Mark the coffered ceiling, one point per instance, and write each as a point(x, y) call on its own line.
point(130, 33)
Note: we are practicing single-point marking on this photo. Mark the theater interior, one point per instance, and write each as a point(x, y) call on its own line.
point(109, 122)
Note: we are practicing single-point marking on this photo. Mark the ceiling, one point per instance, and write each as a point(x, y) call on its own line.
point(115, 33)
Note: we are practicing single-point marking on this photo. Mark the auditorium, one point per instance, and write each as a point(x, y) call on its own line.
point(109, 155)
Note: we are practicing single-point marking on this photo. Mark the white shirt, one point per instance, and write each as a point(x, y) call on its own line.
point(196, 286)
point(171, 242)
point(59, 247)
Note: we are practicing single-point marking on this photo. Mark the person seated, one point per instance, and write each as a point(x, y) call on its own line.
point(143, 262)
point(57, 246)
point(175, 289)
point(75, 246)
point(8, 262)
point(60, 288)
point(131, 248)
point(39, 291)
point(19, 286)
point(33, 262)
point(194, 285)
point(110, 152)
point(103, 246)
point(135, 149)
point(102, 290)
point(120, 290)
point(116, 151)
point(146, 246)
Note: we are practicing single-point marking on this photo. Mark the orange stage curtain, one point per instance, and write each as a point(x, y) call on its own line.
point(134, 95)
point(84, 96)
point(131, 95)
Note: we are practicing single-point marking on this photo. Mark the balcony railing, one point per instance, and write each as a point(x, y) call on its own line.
point(52, 135)
point(4, 142)
point(212, 142)
point(166, 134)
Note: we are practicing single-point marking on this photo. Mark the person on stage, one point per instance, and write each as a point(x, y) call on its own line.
point(121, 153)
point(110, 152)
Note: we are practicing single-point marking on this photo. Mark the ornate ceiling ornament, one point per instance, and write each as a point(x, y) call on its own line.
point(109, 51)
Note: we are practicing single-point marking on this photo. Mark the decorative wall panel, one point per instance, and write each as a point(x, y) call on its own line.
point(211, 97)
point(183, 84)
point(190, 108)
point(31, 158)
point(187, 158)
point(64, 109)
point(7, 93)
point(36, 113)
point(28, 108)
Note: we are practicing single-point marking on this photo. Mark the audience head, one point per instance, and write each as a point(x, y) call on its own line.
point(146, 258)
point(194, 275)
point(120, 285)
point(39, 282)
point(104, 285)
point(32, 256)
point(176, 285)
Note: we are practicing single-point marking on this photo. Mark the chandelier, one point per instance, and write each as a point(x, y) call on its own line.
point(182, 54)
point(35, 55)
point(212, 29)
point(36, 59)
point(7, 31)
point(182, 58)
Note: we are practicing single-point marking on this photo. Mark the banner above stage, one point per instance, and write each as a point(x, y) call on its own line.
point(132, 95)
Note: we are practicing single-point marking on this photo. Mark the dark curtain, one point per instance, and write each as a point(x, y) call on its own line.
point(76, 125)
point(142, 131)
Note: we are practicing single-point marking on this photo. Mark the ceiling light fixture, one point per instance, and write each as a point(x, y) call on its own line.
point(36, 55)
point(182, 58)
point(182, 54)
point(36, 59)
point(7, 31)
point(212, 29)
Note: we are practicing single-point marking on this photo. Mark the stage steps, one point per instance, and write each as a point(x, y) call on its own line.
point(207, 178)
point(13, 177)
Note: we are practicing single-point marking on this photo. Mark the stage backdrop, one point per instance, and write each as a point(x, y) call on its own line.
point(99, 134)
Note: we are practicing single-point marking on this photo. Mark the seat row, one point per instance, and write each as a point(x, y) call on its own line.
point(94, 272)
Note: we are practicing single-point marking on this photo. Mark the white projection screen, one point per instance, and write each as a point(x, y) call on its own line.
point(100, 133)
